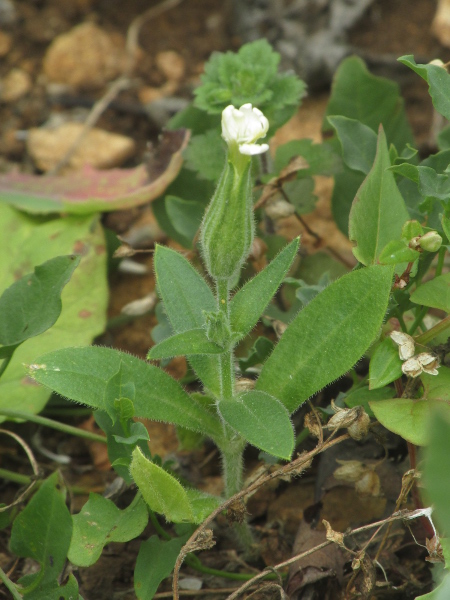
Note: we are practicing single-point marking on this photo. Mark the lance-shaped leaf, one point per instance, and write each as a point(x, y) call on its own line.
point(91, 190)
point(42, 531)
point(328, 336)
point(100, 522)
point(385, 365)
point(262, 420)
point(250, 301)
point(186, 297)
point(162, 492)
point(193, 341)
point(83, 374)
point(32, 305)
point(378, 210)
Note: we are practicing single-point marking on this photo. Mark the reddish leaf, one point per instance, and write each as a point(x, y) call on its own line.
point(90, 190)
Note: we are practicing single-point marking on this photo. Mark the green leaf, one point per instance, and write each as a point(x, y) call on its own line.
point(363, 395)
point(385, 365)
point(82, 374)
point(260, 350)
point(205, 154)
point(163, 493)
point(28, 241)
point(441, 592)
point(434, 293)
point(100, 522)
point(32, 304)
point(437, 387)
point(186, 296)
point(189, 342)
point(438, 82)
point(202, 504)
point(397, 251)
point(328, 336)
point(42, 531)
point(321, 158)
point(378, 211)
point(250, 301)
point(435, 468)
point(155, 562)
point(358, 141)
point(408, 418)
point(54, 591)
point(371, 100)
point(262, 420)
point(185, 217)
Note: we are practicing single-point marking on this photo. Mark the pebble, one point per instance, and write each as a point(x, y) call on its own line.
point(171, 64)
point(441, 22)
point(5, 43)
point(85, 57)
point(14, 85)
point(100, 149)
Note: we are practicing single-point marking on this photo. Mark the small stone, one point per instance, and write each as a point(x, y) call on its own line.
point(86, 57)
point(171, 64)
point(5, 43)
point(16, 84)
point(100, 149)
point(441, 22)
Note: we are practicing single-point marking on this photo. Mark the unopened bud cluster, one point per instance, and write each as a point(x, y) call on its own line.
point(425, 362)
point(419, 240)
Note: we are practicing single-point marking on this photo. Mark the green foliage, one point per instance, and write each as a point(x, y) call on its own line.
point(358, 141)
point(101, 522)
point(378, 211)
point(327, 337)
point(262, 420)
point(385, 365)
point(155, 562)
point(32, 304)
point(434, 293)
point(194, 341)
point(249, 76)
point(26, 242)
point(42, 531)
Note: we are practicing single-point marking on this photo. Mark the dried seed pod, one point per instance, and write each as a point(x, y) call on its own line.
point(429, 362)
point(311, 423)
point(405, 344)
point(412, 367)
point(360, 428)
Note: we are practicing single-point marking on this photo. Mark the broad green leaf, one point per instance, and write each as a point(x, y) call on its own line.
point(408, 418)
point(262, 420)
point(33, 304)
point(120, 393)
point(371, 100)
point(54, 591)
point(100, 522)
point(437, 387)
point(438, 82)
point(328, 336)
point(321, 158)
point(27, 241)
point(186, 296)
point(82, 374)
point(385, 365)
point(42, 531)
point(261, 349)
point(397, 251)
point(155, 562)
point(434, 293)
point(90, 190)
point(378, 211)
point(193, 341)
point(435, 468)
point(441, 592)
point(358, 141)
point(185, 216)
point(163, 493)
point(250, 301)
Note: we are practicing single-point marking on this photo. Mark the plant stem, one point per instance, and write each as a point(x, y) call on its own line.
point(227, 358)
point(17, 414)
point(10, 585)
point(429, 335)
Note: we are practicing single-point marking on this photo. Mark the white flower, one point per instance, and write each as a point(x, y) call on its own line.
point(243, 127)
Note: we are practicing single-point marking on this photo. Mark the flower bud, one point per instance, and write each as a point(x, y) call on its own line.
point(431, 241)
point(227, 230)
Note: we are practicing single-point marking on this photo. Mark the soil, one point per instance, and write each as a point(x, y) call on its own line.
point(194, 29)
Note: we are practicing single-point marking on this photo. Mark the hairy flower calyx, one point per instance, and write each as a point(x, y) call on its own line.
point(243, 127)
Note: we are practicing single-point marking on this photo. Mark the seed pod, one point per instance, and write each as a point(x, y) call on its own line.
point(405, 344)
